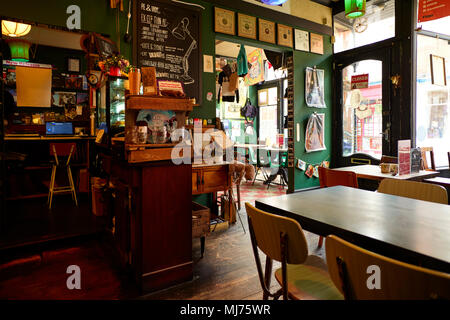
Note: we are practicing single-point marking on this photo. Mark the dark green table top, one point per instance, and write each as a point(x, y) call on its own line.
point(410, 230)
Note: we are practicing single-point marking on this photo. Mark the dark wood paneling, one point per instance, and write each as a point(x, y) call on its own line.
point(166, 217)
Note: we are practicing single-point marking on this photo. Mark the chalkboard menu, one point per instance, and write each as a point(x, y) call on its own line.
point(167, 37)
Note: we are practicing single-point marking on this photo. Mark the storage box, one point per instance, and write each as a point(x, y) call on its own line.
point(200, 220)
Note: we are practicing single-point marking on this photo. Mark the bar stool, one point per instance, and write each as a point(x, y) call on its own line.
point(65, 150)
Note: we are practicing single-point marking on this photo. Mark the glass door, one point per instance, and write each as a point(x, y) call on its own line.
point(363, 113)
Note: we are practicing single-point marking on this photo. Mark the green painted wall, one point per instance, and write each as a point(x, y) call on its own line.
point(302, 111)
point(98, 17)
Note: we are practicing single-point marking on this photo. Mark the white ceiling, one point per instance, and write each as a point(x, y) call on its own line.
point(231, 49)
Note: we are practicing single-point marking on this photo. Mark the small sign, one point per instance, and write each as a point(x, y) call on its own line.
point(416, 158)
point(433, 9)
point(404, 157)
point(360, 81)
point(170, 88)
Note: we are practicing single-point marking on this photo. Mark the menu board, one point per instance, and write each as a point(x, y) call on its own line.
point(167, 36)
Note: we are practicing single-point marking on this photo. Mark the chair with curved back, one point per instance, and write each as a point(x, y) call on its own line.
point(388, 159)
point(425, 166)
point(331, 178)
point(415, 190)
point(364, 275)
point(301, 276)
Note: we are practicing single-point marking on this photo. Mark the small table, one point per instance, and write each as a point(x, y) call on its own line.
point(409, 230)
point(373, 172)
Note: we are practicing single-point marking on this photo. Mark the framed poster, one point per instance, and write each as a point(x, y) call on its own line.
point(438, 75)
point(266, 31)
point(285, 36)
point(224, 21)
point(316, 43)
point(315, 133)
point(301, 40)
point(246, 26)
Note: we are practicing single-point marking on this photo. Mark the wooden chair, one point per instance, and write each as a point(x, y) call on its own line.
point(350, 269)
point(425, 166)
point(388, 159)
point(415, 190)
point(65, 150)
point(301, 276)
point(331, 178)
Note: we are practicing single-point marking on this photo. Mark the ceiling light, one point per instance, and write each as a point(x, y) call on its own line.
point(15, 29)
point(355, 8)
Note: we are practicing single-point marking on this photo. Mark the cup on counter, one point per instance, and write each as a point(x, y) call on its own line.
point(142, 134)
point(385, 167)
point(393, 168)
point(134, 80)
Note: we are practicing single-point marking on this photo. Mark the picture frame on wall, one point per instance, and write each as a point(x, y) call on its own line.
point(224, 21)
point(438, 74)
point(316, 43)
point(246, 26)
point(73, 65)
point(285, 37)
point(301, 40)
point(266, 31)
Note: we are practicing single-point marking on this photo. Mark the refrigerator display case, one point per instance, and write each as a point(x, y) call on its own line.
point(111, 106)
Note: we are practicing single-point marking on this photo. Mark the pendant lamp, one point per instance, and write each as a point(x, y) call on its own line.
point(355, 8)
point(273, 2)
point(15, 29)
point(19, 49)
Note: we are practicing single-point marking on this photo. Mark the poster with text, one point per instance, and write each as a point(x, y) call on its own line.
point(404, 157)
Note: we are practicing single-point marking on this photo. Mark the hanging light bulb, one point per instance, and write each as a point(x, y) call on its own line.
point(355, 8)
point(15, 29)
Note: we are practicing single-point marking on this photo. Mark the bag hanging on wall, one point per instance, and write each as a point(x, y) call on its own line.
point(249, 111)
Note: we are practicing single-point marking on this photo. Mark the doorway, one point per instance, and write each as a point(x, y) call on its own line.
point(362, 113)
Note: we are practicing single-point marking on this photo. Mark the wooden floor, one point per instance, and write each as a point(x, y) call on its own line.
point(226, 272)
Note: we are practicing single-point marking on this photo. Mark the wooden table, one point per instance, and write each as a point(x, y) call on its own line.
point(409, 230)
point(373, 172)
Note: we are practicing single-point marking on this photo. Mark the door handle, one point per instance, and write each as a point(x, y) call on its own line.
point(386, 133)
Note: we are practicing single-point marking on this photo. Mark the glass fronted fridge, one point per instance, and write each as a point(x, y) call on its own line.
point(111, 107)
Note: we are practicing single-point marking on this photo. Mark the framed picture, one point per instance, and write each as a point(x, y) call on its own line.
point(266, 31)
point(73, 65)
point(285, 37)
point(224, 21)
point(438, 74)
point(246, 26)
point(301, 40)
point(316, 43)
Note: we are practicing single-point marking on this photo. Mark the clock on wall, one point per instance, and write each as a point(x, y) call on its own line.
point(92, 79)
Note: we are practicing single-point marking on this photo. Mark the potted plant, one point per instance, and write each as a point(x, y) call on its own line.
point(115, 65)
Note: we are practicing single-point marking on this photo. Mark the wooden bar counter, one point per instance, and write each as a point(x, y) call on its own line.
point(152, 204)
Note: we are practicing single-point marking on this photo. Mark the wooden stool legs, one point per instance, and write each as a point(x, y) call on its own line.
point(52, 189)
point(319, 245)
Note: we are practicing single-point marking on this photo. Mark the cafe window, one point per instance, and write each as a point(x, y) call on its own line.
point(376, 25)
point(432, 97)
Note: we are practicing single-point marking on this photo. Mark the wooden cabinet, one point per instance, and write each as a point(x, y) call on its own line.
point(154, 222)
point(211, 178)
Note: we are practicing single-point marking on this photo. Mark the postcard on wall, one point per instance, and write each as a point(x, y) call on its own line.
point(224, 21)
point(301, 40)
point(246, 26)
point(208, 65)
point(266, 31)
point(285, 36)
point(316, 43)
